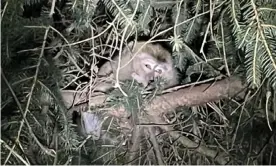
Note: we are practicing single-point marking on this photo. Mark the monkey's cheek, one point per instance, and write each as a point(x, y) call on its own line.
point(134, 75)
point(139, 79)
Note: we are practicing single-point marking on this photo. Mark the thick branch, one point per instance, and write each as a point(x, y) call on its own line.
point(197, 95)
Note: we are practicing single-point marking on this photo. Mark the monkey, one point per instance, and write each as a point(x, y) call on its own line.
point(151, 61)
point(143, 62)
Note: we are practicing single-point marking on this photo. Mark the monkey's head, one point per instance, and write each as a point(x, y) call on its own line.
point(151, 61)
point(149, 67)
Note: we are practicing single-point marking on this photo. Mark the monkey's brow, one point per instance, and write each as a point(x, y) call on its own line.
point(161, 58)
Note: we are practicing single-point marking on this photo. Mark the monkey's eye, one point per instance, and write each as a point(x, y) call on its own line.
point(148, 66)
point(159, 71)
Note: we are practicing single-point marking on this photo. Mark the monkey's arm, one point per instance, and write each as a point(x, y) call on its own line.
point(104, 83)
point(106, 72)
point(105, 69)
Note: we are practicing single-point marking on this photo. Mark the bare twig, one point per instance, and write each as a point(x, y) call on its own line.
point(155, 146)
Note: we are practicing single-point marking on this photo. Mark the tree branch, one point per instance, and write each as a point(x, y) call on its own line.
point(197, 95)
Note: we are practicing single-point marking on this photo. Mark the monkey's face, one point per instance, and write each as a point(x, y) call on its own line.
point(146, 65)
point(153, 68)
